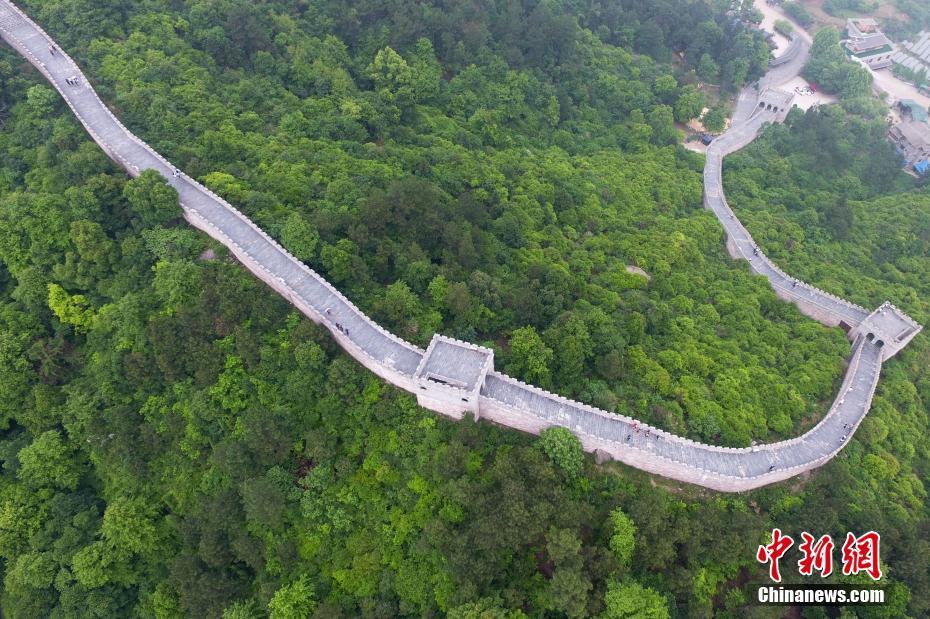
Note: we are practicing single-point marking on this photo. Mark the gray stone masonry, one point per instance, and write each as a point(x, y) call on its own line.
point(776, 101)
point(453, 377)
point(451, 374)
point(795, 48)
point(890, 329)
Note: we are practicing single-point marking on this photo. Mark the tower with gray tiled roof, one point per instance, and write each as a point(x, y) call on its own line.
point(451, 375)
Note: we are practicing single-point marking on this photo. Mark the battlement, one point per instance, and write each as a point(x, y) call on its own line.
point(890, 329)
point(453, 377)
point(451, 374)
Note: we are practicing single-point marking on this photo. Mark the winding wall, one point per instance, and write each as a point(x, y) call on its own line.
point(502, 399)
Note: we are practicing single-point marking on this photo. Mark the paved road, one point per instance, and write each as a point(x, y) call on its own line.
point(626, 439)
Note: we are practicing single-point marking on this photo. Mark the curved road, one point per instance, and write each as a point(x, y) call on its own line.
point(500, 398)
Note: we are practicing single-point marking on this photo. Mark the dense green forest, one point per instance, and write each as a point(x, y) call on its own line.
point(824, 196)
point(832, 70)
point(179, 442)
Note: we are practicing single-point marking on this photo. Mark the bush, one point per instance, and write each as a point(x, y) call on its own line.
point(784, 27)
point(715, 119)
point(564, 449)
point(796, 11)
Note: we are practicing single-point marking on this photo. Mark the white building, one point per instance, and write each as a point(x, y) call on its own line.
point(867, 42)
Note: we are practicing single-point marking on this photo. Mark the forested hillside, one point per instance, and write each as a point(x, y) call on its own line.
point(824, 196)
point(179, 442)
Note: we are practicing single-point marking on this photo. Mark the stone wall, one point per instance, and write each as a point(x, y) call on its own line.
point(450, 401)
point(392, 376)
point(795, 48)
point(643, 459)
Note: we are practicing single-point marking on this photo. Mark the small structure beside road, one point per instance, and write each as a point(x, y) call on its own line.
point(912, 141)
point(913, 110)
point(914, 56)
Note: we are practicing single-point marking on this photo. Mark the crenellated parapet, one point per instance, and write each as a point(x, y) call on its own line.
point(890, 329)
point(453, 377)
point(451, 374)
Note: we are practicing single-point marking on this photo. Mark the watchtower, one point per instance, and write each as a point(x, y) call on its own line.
point(451, 375)
point(889, 328)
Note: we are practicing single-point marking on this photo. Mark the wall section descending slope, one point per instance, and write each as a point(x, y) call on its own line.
point(388, 356)
point(471, 386)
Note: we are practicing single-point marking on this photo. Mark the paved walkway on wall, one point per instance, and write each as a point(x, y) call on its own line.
point(748, 120)
point(503, 399)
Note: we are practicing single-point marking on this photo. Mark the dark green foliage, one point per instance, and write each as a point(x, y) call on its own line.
point(798, 12)
point(821, 167)
point(564, 450)
point(831, 69)
point(178, 442)
point(151, 200)
point(825, 198)
point(918, 14)
point(715, 119)
point(847, 8)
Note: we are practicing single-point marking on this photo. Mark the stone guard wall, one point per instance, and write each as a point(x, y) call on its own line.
point(494, 410)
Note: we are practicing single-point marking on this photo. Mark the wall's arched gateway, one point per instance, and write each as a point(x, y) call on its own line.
point(455, 378)
point(776, 101)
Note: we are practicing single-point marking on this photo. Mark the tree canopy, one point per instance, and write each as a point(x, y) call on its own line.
point(831, 69)
point(177, 441)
